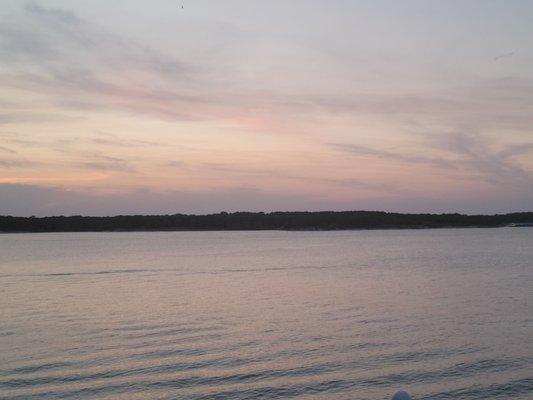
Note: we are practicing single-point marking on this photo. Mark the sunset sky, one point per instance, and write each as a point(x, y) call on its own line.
point(143, 107)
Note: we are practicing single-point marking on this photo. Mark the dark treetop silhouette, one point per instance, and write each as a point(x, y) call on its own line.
point(323, 220)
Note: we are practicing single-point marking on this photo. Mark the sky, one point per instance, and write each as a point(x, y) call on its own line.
point(182, 106)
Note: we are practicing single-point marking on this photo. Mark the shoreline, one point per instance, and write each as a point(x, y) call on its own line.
point(272, 230)
point(259, 221)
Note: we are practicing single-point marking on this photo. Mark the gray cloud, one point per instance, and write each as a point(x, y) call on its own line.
point(283, 175)
point(61, 143)
point(99, 162)
point(469, 154)
point(20, 140)
point(17, 163)
point(26, 116)
point(175, 164)
point(106, 166)
point(75, 149)
point(57, 53)
point(388, 155)
point(7, 150)
point(65, 28)
point(84, 159)
point(360, 184)
point(110, 139)
point(516, 150)
point(474, 154)
point(53, 15)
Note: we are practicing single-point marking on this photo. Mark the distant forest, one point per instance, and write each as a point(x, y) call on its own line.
point(323, 220)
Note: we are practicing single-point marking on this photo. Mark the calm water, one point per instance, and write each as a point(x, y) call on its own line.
point(446, 314)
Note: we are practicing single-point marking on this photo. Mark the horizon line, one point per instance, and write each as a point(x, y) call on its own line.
point(266, 213)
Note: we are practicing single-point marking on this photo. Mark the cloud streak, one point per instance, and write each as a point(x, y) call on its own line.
point(469, 153)
point(474, 153)
point(392, 156)
point(65, 56)
point(110, 139)
point(7, 150)
point(18, 163)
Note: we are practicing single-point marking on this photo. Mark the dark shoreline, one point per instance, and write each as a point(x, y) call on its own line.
point(248, 221)
point(264, 230)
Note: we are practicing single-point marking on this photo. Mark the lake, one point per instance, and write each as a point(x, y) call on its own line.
point(445, 314)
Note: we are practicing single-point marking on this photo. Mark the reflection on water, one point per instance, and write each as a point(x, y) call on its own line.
point(263, 315)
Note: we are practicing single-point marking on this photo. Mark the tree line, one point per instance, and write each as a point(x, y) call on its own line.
point(322, 220)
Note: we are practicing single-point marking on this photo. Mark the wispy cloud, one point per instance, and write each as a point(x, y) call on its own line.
point(74, 145)
point(17, 163)
point(57, 53)
point(25, 116)
point(516, 150)
point(7, 150)
point(468, 153)
point(475, 154)
point(260, 174)
point(20, 140)
point(393, 156)
point(99, 162)
point(110, 139)
point(174, 164)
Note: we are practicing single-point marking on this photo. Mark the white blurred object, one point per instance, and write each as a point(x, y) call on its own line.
point(401, 395)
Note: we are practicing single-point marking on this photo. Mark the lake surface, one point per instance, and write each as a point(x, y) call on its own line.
point(446, 314)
